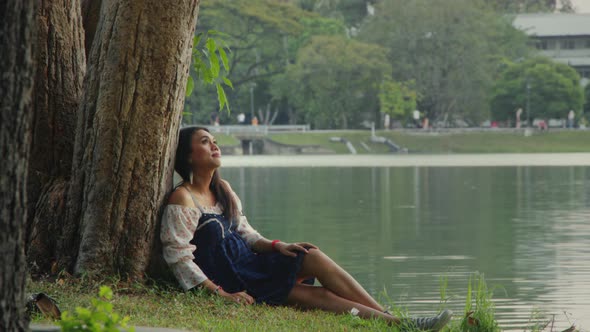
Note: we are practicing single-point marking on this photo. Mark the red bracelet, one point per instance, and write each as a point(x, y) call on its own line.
point(273, 243)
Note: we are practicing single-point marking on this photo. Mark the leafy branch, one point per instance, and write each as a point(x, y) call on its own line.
point(209, 57)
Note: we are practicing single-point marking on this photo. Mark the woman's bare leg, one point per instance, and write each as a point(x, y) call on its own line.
point(312, 297)
point(334, 278)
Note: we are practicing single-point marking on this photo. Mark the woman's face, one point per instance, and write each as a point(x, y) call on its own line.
point(205, 152)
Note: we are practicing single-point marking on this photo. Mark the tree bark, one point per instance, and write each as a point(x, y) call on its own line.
point(61, 64)
point(16, 83)
point(126, 133)
point(90, 16)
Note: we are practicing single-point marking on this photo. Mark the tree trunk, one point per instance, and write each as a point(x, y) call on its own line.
point(61, 65)
point(126, 133)
point(90, 16)
point(16, 68)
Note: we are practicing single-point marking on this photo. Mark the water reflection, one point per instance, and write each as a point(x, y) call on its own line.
point(399, 230)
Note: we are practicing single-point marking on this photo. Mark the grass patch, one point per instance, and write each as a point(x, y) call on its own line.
point(479, 308)
point(223, 139)
point(167, 306)
point(323, 139)
point(494, 142)
point(473, 142)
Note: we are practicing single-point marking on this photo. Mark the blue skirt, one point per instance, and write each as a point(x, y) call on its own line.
point(228, 261)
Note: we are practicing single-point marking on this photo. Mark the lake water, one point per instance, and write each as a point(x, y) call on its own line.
point(400, 229)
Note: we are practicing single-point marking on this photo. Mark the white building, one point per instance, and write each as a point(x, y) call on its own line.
point(563, 37)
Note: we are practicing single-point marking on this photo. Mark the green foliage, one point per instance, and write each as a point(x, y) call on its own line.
point(208, 56)
point(450, 48)
point(98, 318)
point(453, 51)
point(397, 99)
point(281, 15)
point(350, 12)
point(506, 42)
point(261, 35)
point(334, 81)
point(587, 100)
point(554, 89)
point(317, 26)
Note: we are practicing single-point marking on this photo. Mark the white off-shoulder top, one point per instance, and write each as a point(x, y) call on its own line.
point(178, 228)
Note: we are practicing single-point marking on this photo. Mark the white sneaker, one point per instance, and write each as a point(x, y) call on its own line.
point(429, 323)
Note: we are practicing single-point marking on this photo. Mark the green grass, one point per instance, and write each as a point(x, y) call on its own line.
point(476, 142)
point(479, 308)
point(491, 142)
point(223, 139)
point(323, 139)
point(166, 306)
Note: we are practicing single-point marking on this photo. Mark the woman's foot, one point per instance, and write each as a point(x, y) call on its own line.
point(428, 323)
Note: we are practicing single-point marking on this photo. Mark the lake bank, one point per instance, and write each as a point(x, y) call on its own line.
point(414, 141)
point(172, 310)
point(411, 160)
point(449, 141)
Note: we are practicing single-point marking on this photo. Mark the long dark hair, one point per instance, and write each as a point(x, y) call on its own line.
point(219, 187)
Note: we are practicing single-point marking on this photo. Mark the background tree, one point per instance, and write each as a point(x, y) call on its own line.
point(350, 12)
point(397, 99)
point(450, 48)
point(259, 34)
point(16, 51)
point(316, 26)
point(334, 81)
point(280, 85)
point(60, 68)
point(554, 89)
point(587, 101)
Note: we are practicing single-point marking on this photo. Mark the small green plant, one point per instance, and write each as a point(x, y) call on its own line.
point(98, 318)
point(479, 316)
point(537, 321)
point(444, 297)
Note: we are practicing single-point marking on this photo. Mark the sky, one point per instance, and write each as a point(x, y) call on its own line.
point(582, 6)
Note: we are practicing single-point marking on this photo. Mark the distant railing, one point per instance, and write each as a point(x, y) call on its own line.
point(257, 130)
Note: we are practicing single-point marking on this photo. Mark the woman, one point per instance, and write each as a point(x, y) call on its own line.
point(208, 243)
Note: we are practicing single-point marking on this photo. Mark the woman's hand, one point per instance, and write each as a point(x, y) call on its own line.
point(291, 249)
point(238, 297)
